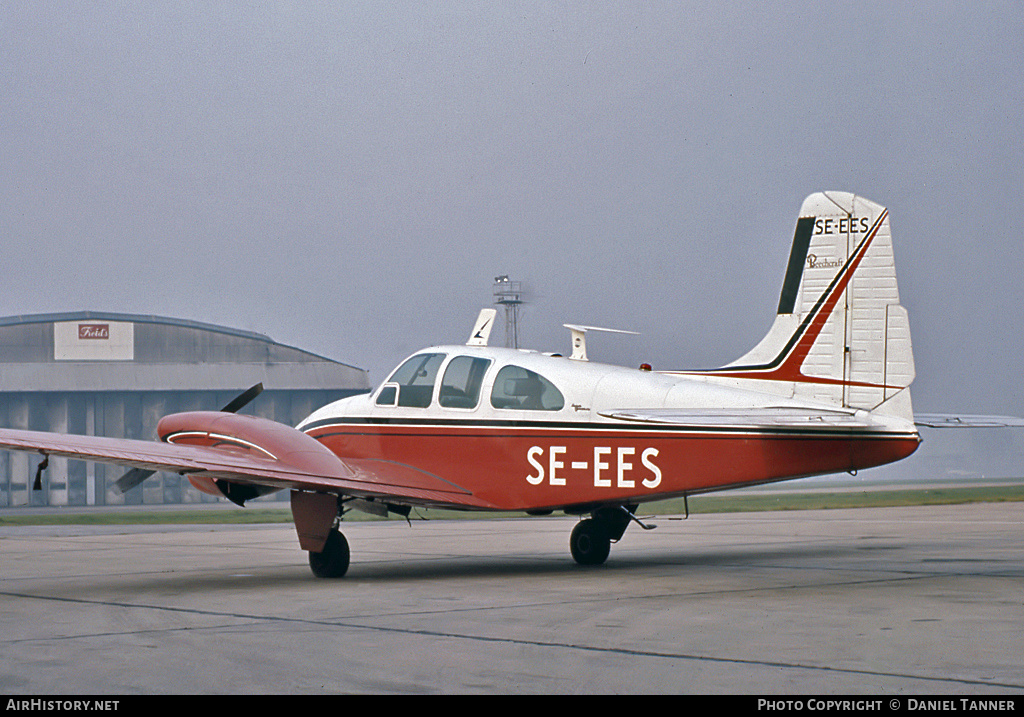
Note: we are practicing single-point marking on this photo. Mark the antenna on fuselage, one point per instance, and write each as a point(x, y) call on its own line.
point(482, 328)
point(579, 338)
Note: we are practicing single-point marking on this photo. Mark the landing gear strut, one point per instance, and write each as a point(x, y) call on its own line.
point(316, 523)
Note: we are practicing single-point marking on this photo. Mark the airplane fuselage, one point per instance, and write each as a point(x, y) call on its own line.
point(529, 431)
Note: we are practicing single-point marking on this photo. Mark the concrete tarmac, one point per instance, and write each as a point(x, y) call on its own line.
point(923, 600)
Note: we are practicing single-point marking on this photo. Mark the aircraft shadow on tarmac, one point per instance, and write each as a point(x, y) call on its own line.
point(681, 560)
point(687, 563)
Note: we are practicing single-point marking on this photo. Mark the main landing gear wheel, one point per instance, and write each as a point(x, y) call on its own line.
point(589, 542)
point(333, 561)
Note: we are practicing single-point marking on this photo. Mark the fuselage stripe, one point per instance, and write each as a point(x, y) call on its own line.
point(493, 429)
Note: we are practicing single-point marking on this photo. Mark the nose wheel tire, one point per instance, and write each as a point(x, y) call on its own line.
point(589, 543)
point(332, 562)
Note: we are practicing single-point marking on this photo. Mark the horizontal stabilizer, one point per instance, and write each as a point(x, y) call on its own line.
point(949, 420)
point(750, 418)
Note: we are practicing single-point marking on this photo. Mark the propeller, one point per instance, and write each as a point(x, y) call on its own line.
point(242, 400)
point(37, 484)
point(132, 478)
point(136, 475)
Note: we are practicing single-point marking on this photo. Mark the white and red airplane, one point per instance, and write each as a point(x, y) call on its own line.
point(476, 427)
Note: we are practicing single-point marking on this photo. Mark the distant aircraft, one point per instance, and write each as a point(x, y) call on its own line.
point(475, 427)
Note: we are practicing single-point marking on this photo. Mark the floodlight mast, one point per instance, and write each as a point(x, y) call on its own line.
point(509, 294)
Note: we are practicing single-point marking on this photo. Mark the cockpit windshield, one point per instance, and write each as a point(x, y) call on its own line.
point(413, 382)
point(518, 388)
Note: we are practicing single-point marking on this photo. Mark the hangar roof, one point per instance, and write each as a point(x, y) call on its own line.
point(101, 351)
point(133, 318)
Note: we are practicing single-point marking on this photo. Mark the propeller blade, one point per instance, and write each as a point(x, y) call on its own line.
point(132, 478)
point(243, 399)
point(37, 484)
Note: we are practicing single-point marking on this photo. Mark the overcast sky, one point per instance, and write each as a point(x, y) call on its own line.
point(350, 177)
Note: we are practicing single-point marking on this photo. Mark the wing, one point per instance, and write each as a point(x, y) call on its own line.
point(253, 451)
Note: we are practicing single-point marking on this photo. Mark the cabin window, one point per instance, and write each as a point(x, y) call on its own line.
point(460, 387)
point(413, 380)
point(520, 389)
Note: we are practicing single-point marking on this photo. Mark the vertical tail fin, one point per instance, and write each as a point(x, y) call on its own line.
point(840, 334)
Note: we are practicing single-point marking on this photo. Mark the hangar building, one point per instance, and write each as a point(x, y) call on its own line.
point(117, 374)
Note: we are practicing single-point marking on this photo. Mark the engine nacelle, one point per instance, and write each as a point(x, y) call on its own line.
point(280, 445)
